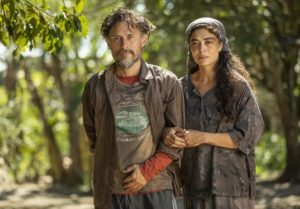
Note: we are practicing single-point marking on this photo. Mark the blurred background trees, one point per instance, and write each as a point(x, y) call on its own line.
point(50, 48)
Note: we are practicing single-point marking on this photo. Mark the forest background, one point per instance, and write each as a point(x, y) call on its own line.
point(49, 49)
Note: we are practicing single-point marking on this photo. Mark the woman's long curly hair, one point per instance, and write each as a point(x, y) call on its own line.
point(228, 65)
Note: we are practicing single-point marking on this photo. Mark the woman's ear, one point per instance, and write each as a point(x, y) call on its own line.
point(221, 46)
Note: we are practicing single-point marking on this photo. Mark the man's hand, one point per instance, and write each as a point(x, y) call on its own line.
point(135, 181)
point(175, 137)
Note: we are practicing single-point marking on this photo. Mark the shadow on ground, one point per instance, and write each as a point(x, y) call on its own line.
point(270, 195)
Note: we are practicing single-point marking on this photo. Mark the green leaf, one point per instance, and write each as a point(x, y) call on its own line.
point(77, 23)
point(84, 25)
point(15, 52)
point(68, 26)
point(4, 38)
point(79, 6)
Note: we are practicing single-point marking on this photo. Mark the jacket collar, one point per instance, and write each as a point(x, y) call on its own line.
point(145, 72)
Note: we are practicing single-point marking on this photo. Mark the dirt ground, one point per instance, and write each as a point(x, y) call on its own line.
point(32, 196)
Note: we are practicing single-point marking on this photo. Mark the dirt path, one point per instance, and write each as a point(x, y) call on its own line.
point(31, 196)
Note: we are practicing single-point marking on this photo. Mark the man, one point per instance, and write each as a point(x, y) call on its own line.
point(125, 109)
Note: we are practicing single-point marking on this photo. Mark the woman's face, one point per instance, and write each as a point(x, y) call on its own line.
point(205, 48)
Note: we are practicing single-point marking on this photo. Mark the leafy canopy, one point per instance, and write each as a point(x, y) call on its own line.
point(27, 23)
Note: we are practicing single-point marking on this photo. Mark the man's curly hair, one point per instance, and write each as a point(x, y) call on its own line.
point(129, 16)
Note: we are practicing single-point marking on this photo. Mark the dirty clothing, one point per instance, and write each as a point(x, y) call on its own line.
point(134, 141)
point(220, 202)
point(154, 200)
point(209, 170)
point(165, 107)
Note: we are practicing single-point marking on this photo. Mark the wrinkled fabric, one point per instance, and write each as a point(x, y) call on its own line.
point(205, 22)
point(210, 170)
point(219, 202)
point(155, 200)
point(134, 141)
point(164, 102)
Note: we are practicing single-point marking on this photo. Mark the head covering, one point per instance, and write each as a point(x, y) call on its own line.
point(205, 22)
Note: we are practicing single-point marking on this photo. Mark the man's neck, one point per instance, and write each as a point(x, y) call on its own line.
point(131, 71)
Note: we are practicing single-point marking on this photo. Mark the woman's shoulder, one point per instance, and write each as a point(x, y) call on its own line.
point(240, 83)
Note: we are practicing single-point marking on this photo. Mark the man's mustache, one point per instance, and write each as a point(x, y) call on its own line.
point(123, 51)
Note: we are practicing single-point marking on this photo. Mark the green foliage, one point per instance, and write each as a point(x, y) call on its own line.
point(270, 153)
point(24, 24)
point(10, 138)
point(21, 144)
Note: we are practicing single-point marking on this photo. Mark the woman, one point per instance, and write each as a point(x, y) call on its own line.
point(223, 123)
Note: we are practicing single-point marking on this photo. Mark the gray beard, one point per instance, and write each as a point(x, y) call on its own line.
point(125, 63)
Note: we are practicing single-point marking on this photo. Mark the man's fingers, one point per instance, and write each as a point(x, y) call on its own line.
point(179, 130)
point(129, 169)
point(128, 179)
point(174, 141)
point(132, 186)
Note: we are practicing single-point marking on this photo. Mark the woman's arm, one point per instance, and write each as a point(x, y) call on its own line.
point(195, 138)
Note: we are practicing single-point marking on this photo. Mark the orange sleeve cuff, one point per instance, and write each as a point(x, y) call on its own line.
point(154, 165)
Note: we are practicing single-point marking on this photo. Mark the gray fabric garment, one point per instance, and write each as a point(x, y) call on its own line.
point(210, 170)
point(154, 200)
point(205, 22)
point(220, 202)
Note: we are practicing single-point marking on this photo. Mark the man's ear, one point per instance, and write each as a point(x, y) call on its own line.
point(144, 40)
point(107, 42)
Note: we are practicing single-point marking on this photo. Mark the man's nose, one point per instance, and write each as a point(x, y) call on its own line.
point(124, 43)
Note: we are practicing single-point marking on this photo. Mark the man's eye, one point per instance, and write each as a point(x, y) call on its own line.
point(130, 37)
point(116, 39)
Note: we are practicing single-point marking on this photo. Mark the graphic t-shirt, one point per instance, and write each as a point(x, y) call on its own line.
point(134, 139)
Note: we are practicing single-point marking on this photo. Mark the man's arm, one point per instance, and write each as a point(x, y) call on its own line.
point(174, 117)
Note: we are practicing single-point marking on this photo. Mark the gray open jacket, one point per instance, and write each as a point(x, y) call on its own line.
point(165, 106)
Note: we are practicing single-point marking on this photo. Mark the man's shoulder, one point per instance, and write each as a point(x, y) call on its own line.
point(160, 71)
point(97, 76)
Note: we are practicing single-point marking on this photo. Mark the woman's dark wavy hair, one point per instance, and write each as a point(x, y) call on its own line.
point(129, 16)
point(228, 65)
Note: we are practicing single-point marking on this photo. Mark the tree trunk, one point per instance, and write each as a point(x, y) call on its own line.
point(75, 152)
point(57, 171)
point(282, 76)
point(11, 79)
point(75, 170)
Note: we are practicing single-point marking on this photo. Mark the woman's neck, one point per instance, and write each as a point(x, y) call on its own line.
point(205, 76)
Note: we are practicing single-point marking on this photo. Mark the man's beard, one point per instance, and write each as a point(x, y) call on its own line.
point(126, 63)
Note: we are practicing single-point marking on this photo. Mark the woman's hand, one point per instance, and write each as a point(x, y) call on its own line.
point(195, 138)
point(175, 137)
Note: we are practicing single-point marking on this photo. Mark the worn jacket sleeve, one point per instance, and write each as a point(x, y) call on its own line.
point(174, 114)
point(88, 111)
point(249, 125)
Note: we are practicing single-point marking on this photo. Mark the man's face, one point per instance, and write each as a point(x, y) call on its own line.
point(126, 44)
